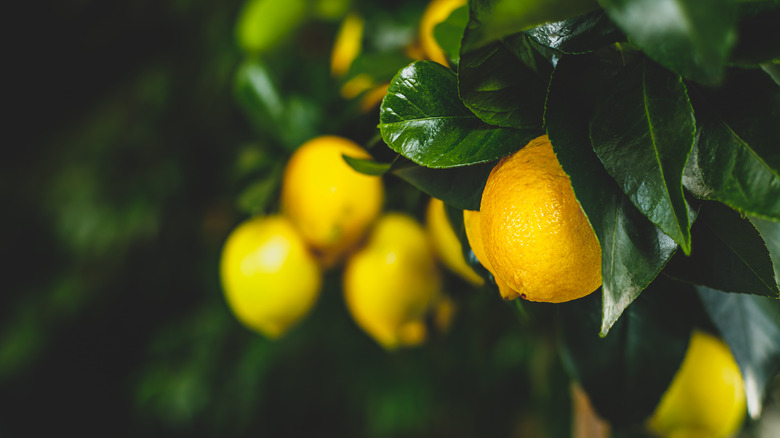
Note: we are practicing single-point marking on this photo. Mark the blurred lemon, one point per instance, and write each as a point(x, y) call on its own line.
point(446, 243)
point(331, 204)
point(436, 12)
point(474, 235)
point(391, 284)
point(348, 44)
point(707, 395)
point(534, 232)
point(269, 278)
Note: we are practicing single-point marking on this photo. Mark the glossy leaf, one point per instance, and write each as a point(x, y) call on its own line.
point(750, 325)
point(459, 187)
point(505, 82)
point(643, 131)
point(729, 255)
point(423, 119)
point(770, 232)
point(626, 373)
point(581, 34)
point(633, 250)
point(449, 32)
point(736, 159)
point(689, 37)
point(494, 19)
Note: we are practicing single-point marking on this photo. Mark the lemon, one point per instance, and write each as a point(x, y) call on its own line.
point(330, 204)
point(393, 282)
point(474, 235)
point(348, 44)
point(446, 243)
point(436, 12)
point(535, 235)
point(269, 278)
point(706, 396)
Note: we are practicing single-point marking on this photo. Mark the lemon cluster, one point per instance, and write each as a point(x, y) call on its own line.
point(331, 216)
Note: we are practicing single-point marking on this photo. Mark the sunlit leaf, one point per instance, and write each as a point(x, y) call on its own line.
point(643, 131)
point(580, 34)
point(449, 32)
point(263, 24)
point(367, 166)
point(423, 119)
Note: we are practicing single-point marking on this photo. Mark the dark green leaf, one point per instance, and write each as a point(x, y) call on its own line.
point(690, 37)
point(633, 250)
point(581, 34)
point(758, 37)
point(460, 187)
point(750, 325)
point(494, 19)
point(729, 255)
point(736, 159)
point(423, 119)
point(626, 373)
point(643, 131)
point(449, 32)
point(256, 197)
point(367, 166)
point(770, 232)
point(505, 82)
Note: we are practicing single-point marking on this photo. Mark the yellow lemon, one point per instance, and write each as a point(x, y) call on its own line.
point(269, 278)
point(535, 235)
point(706, 396)
point(331, 204)
point(393, 282)
point(474, 235)
point(436, 12)
point(446, 243)
point(348, 44)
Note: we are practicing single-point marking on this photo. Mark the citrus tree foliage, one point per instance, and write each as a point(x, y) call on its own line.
point(666, 116)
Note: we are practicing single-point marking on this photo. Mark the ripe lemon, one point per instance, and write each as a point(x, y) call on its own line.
point(474, 235)
point(269, 278)
point(535, 235)
point(706, 396)
point(330, 204)
point(392, 282)
point(446, 243)
point(436, 12)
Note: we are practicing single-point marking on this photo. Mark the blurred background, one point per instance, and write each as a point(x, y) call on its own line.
point(133, 153)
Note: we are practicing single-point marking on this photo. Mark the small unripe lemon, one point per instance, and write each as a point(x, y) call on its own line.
point(393, 282)
point(446, 243)
point(269, 278)
point(534, 232)
point(331, 204)
point(706, 396)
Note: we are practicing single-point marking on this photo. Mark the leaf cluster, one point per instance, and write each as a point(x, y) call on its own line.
point(664, 114)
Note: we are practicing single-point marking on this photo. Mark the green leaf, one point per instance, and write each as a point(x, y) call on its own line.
point(633, 250)
point(368, 166)
point(505, 82)
point(459, 187)
point(750, 325)
point(423, 119)
point(263, 24)
point(736, 159)
point(449, 32)
point(729, 255)
point(690, 37)
point(494, 19)
point(626, 373)
point(576, 35)
point(770, 232)
point(643, 131)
